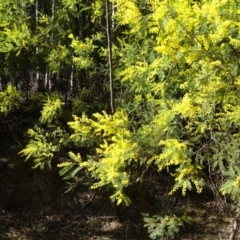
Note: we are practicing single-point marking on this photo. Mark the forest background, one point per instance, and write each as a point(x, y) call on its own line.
point(131, 90)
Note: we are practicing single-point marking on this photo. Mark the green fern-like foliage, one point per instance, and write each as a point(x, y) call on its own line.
point(117, 147)
point(46, 138)
point(52, 109)
point(227, 160)
point(43, 145)
point(115, 150)
point(8, 100)
point(164, 227)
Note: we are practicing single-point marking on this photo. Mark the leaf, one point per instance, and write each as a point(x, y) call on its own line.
point(75, 171)
point(65, 169)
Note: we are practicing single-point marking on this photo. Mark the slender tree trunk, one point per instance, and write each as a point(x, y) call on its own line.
point(36, 24)
point(36, 14)
point(71, 78)
point(52, 41)
point(108, 31)
point(1, 85)
point(53, 16)
point(235, 223)
point(112, 16)
point(234, 230)
point(46, 82)
point(58, 73)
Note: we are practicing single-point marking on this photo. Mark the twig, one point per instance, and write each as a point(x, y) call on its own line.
point(91, 199)
point(127, 232)
point(214, 139)
point(88, 218)
point(106, 217)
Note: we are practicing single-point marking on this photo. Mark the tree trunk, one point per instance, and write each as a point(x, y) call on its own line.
point(108, 31)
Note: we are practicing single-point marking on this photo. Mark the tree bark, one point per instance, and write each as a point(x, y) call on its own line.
point(234, 230)
point(108, 31)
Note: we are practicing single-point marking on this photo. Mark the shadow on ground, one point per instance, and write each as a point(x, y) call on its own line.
point(34, 205)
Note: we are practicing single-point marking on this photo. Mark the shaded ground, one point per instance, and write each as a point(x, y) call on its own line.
point(33, 206)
